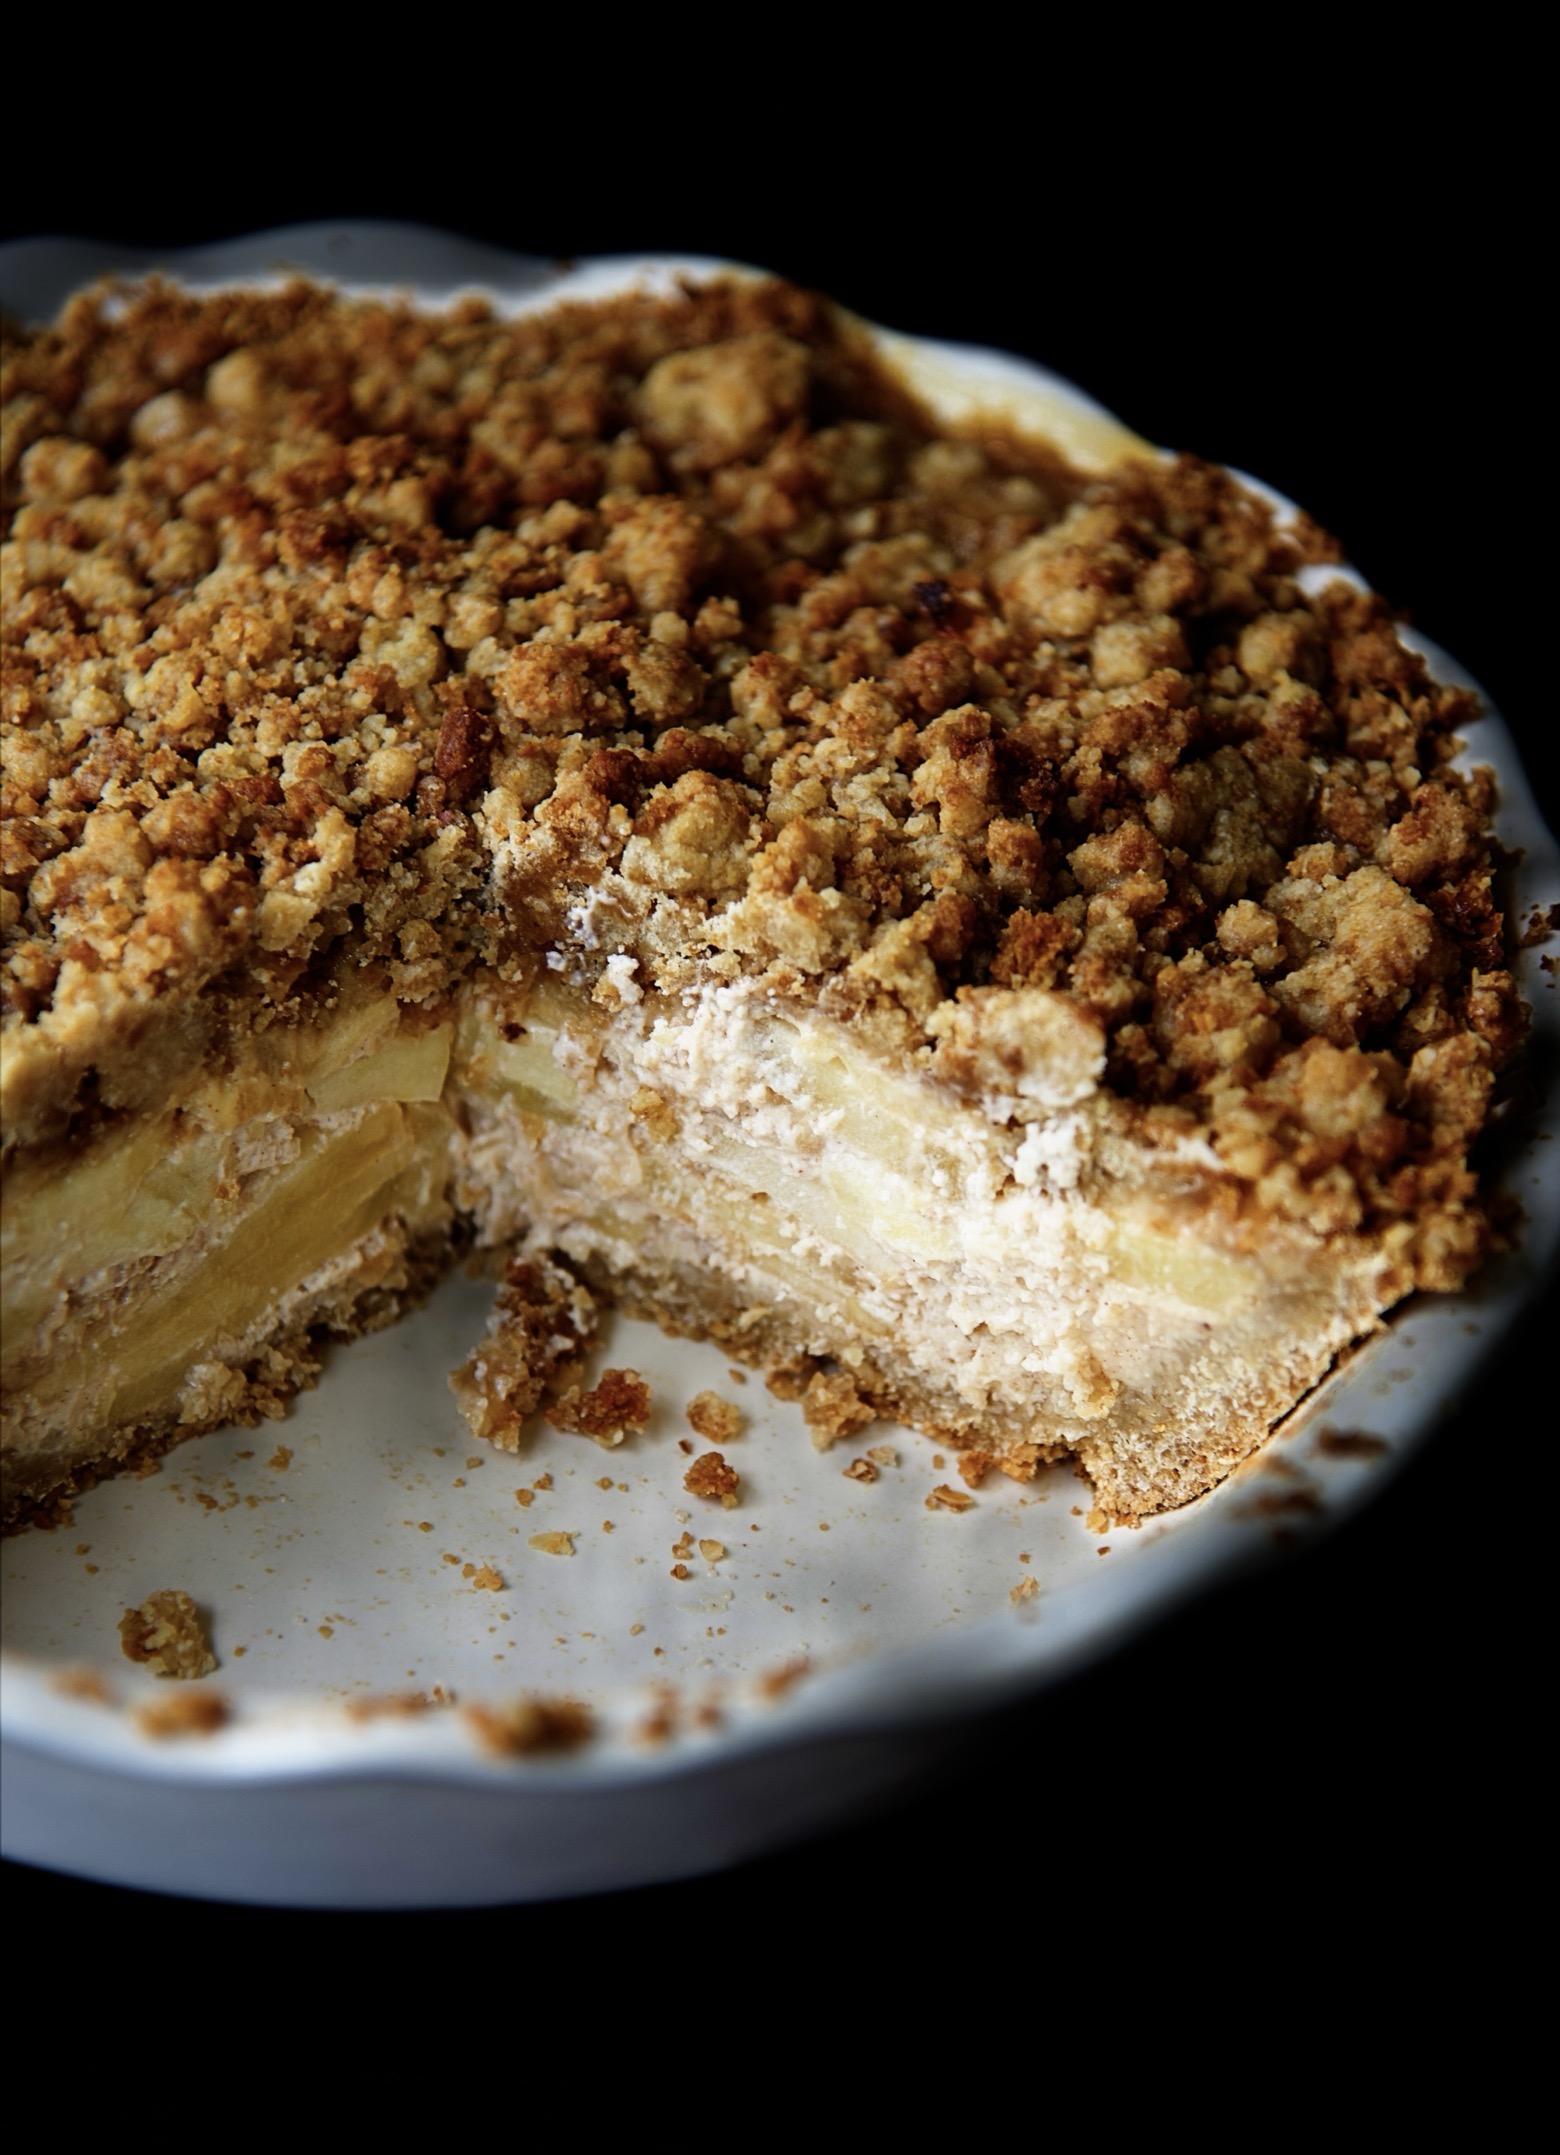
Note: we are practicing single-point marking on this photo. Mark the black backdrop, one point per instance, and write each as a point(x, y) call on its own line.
point(1332, 1756)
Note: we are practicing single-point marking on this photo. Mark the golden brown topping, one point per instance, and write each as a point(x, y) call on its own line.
point(339, 633)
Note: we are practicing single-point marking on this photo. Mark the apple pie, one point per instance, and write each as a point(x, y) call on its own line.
point(988, 930)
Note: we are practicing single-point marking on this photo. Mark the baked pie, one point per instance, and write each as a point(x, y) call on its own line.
point(989, 932)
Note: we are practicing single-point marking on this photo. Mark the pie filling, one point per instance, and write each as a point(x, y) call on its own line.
point(1011, 1273)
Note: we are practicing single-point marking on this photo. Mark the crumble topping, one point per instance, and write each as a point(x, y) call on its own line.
point(710, 1476)
point(556, 1543)
point(168, 1636)
point(340, 633)
point(542, 1322)
point(609, 1411)
point(832, 1407)
point(717, 1420)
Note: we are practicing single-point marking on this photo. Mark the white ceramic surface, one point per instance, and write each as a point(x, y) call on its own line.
point(340, 1575)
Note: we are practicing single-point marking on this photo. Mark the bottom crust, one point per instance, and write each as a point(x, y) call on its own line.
point(395, 1267)
point(1170, 1466)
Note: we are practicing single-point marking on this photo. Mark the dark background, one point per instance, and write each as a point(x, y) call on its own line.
point(1334, 1758)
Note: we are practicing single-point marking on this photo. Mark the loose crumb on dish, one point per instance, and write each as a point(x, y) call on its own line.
point(832, 1407)
point(86, 1684)
point(717, 1420)
point(556, 1543)
point(660, 1724)
point(710, 1476)
point(166, 1635)
point(385, 1705)
point(186, 1713)
point(777, 1682)
point(526, 1727)
point(860, 1470)
point(1026, 1589)
point(946, 1498)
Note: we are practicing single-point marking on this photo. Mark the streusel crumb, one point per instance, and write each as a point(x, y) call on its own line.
point(322, 616)
point(166, 1634)
point(710, 1476)
point(609, 1411)
point(717, 1420)
point(832, 1408)
point(542, 1323)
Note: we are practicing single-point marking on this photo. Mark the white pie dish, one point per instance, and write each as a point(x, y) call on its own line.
point(299, 1800)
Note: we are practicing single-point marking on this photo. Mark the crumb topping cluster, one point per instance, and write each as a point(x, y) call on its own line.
point(168, 1635)
point(338, 632)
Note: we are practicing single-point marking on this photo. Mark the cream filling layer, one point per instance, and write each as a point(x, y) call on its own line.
point(1005, 1261)
point(170, 1240)
point(1013, 1255)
